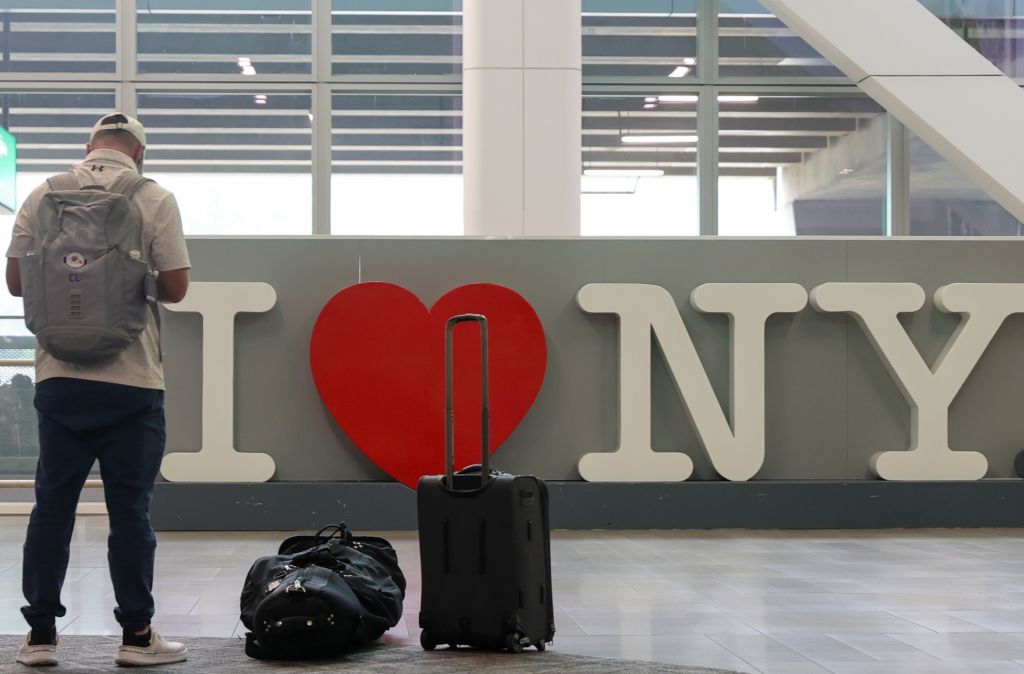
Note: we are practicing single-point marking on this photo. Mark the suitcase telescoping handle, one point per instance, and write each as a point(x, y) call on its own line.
point(449, 405)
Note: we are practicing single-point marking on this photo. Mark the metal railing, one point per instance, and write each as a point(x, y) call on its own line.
point(24, 431)
point(30, 484)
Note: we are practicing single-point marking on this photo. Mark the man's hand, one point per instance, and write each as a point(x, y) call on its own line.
point(171, 285)
point(13, 277)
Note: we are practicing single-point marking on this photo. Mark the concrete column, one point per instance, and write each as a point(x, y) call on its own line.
point(897, 175)
point(522, 117)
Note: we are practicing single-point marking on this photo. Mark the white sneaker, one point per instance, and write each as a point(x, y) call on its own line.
point(158, 652)
point(40, 655)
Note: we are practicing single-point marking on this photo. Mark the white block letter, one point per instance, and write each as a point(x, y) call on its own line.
point(929, 391)
point(217, 460)
point(737, 452)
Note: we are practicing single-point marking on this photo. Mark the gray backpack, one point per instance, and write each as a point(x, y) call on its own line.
point(87, 290)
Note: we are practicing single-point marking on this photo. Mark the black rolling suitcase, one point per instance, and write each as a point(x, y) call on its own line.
point(485, 549)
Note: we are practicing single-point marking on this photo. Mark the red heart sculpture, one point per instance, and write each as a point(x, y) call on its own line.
point(377, 356)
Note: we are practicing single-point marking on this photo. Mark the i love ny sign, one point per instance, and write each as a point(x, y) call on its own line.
point(376, 355)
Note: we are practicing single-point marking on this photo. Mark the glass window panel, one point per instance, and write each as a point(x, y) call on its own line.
point(51, 36)
point(639, 167)
point(384, 145)
point(640, 38)
point(943, 202)
point(801, 165)
point(225, 37)
point(239, 162)
point(51, 127)
point(52, 130)
point(753, 42)
point(994, 27)
point(396, 37)
point(19, 435)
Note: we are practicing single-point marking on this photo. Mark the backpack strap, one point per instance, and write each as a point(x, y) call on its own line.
point(154, 306)
point(127, 185)
point(63, 182)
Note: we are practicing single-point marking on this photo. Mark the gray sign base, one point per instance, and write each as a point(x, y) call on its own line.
point(388, 506)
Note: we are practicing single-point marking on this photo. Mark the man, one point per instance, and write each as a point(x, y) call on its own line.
point(112, 412)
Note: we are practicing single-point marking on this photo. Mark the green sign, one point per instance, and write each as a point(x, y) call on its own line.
point(8, 172)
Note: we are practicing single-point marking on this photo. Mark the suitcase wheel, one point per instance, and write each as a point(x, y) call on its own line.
point(427, 641)
point(514, 642)
point(541, 646)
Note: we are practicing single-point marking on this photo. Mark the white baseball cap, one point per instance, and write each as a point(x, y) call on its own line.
point(119, 121)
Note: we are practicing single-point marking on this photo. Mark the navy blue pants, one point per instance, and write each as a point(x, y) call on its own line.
point(123, 428)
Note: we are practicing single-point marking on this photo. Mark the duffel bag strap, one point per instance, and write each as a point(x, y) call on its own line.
point(313, 578)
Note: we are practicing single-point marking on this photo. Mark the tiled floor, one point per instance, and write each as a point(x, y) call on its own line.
point(931, 601)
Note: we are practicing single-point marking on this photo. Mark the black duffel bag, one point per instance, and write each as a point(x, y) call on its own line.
point(323, 596)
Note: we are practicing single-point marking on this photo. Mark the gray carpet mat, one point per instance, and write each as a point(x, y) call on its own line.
point(207, 656)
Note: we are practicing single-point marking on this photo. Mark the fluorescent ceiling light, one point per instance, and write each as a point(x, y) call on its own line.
point(689, 61)
point(650, 106)
point(650, 99)
point(245, 63)
point(685, 98)
point(796, 62)
point(722, 98)
point(623, 173)
point(680, 71)
point(658, 139)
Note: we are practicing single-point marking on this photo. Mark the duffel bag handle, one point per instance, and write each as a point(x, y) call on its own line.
point(339, 531)
point(294, 545)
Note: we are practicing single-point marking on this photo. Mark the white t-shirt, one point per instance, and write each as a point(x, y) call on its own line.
point(163, 247)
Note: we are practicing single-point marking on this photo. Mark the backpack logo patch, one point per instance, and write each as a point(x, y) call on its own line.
point(75, 261)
